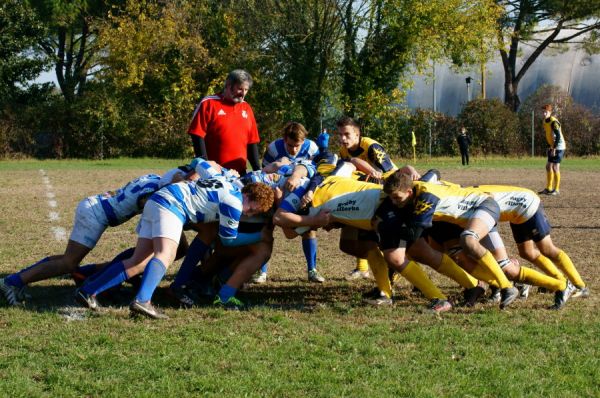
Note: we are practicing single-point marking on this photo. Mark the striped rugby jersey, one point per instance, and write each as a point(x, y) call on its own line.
point(124, 203)
point(204, 201)
point(276, 151)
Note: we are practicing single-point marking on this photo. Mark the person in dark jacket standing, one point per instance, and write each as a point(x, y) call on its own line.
point(463, 144)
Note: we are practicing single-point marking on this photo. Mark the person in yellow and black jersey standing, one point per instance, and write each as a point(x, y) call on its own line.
point(556, 151)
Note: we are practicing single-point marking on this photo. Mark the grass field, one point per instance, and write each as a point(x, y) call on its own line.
point(297, 339)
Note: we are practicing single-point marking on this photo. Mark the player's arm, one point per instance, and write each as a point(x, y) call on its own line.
point(253, 157)
point(364, 167)
point(555, 133)
point(199, 146)
point(286, 219)
point(379, 158)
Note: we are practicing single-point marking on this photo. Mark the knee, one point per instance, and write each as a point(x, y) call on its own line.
point(529, 254)
point(469, 241)
point(511, 271)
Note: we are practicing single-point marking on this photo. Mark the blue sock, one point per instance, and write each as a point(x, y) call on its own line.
point(264, 268)
point(15, 279)
point(195, 253)
point(224, 274)
point(309, 247)
point(226, 293)
point(110, 276)
point(87, 270)
point(153, 274)
point(94, 272)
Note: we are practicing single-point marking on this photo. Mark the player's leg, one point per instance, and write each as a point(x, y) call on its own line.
point(562, 261)
point(164, 251)
point(423, 253)
point(309, 247)
point(196, 252)
point(482, 222)
point(395, 245)
point(348, 245)
point(115, 274)
point(248, 263)
point(549, 176)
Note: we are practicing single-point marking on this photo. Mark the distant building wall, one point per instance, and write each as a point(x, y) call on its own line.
point(574, 71)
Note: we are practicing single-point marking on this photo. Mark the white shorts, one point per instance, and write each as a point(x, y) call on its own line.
point(87, 228)
point(158, 222)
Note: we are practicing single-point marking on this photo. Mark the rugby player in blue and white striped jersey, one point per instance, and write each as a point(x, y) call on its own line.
point(193, 204)
point(93, 215)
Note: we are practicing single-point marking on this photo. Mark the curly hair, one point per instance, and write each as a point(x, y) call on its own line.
point(260, 193)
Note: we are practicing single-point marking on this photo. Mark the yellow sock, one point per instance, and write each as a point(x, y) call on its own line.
point(549, 179)
point(557, 180)
point(546, 265)
point(484, 275)
point(449, 268)
point(489, 263)
point(418, 278)
point(536, 278)
point(566, 265)
point(380, 271)
point(362, 264)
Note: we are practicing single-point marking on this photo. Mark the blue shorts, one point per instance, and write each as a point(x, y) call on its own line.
point(441, 232)
point(536, 228)
point(559, 154)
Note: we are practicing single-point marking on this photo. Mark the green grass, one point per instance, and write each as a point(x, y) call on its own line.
point(297, 339)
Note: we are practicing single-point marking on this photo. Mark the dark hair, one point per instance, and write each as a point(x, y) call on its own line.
point(397, 181)
point(347, 121)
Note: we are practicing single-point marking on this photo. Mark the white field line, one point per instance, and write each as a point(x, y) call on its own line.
point(60, 234)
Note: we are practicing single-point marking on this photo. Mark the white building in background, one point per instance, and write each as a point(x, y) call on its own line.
point(574, 71)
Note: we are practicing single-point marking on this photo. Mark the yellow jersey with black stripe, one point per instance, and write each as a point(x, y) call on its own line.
point(443, 201)
point(517, 205)
point(371, 152)
point(351, 202)
point(554, 135)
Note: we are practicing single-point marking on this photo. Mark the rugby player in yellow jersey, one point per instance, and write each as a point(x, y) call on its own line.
point(354, 203)
point(531, 232)
point(556, 151)
point(369, 157)
point(473, 210)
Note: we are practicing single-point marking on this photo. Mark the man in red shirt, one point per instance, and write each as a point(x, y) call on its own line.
point(223, 128)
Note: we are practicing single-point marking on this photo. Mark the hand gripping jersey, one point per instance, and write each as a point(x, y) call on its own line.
point(517, 205)
point(120, 205)
point(204, 201)
point(276, 151)
point(443, 201)
point(372, 152)
point(554, 135)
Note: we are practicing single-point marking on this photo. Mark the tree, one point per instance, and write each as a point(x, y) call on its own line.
point(386, 39)
point(70, 43)
point(19, 31)
point(297, 42)
point(541, 25)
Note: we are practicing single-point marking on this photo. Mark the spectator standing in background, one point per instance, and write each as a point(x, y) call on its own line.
point(223, 127)
point(463, 144)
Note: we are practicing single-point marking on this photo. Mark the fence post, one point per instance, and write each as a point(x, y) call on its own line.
point(532, 133)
